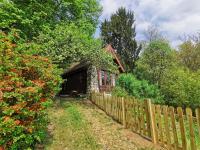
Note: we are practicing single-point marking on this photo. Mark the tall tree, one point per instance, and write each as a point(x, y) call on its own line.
point(189, 53)
point(120, 33)
point(67, 44)
point(62, 29)
point(156, 59)
point(33, 16)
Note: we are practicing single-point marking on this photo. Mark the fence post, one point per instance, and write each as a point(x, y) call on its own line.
point(152, 121)
point(182, 128)
point(191, 129)
point(104, 101)
point(123, 113)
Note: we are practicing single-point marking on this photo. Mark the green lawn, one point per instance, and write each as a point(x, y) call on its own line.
point(69, 129)
point(79, 125)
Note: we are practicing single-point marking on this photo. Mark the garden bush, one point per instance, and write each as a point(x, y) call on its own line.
point(140, 89)
point(27, 85)
point(119, 92)
point(181, 88)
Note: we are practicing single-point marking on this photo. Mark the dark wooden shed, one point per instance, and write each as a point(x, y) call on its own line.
point(82, 77)
point(75, 79)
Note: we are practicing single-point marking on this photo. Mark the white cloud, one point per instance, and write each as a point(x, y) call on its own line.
point(111, 6)
point(173, 17)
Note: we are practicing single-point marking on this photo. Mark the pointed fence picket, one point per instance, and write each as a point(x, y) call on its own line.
point(173, 128)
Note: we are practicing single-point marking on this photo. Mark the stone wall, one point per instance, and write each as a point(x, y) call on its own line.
point(92, 79)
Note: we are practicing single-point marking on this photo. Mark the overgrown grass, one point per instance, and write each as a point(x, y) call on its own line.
point(70, 130)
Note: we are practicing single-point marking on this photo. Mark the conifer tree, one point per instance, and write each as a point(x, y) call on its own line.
point(120, 33)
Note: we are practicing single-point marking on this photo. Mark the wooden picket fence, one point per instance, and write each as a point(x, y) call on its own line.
point(173, 128)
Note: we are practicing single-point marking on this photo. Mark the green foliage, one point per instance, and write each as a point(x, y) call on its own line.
point(61, 30)
point(67, 118)
point(156, 59)
point(27, 85)
point(140, 89)
point(32, 17)
point(189, 54)
point(119, 92)
point(29, 17)
point(181, 88)
point(172, 72)
point(120, 33)
point(67, 44)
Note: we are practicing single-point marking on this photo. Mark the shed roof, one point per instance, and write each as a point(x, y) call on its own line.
point(78, 65)
point(113, 52)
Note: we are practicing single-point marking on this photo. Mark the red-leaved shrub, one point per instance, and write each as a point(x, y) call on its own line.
point(27, 85)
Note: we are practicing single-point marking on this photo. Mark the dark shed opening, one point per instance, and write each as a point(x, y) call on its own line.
point(75, 81)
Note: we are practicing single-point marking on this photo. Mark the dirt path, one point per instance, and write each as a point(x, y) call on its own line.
point(80, 125)
point(111, 134)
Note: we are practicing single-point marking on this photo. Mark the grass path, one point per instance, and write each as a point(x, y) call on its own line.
point(69, 130)
point(79, 125)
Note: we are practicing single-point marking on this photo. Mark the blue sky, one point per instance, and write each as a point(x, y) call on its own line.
point(174, 18)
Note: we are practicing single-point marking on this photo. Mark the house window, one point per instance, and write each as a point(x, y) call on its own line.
point(108, 79)
point(105, 78)
point(102, 78)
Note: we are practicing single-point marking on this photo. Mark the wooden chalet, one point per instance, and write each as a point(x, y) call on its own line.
point(82, 78)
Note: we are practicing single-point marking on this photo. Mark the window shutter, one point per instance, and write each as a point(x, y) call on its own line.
point(105, 79)
point(113, 79)
point(99, 77)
